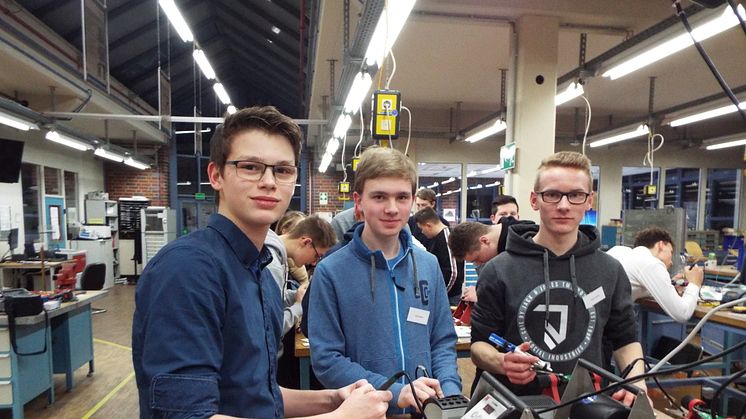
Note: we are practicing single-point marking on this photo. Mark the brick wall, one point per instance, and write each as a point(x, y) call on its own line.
point(326, 182)
point(122, 181)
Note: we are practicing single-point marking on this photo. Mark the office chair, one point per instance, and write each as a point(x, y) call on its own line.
point(93, 279)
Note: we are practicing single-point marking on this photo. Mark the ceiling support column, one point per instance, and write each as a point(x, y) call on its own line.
point(531, 123)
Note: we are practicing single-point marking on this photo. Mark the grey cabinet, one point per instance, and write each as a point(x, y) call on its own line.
point(98, 251)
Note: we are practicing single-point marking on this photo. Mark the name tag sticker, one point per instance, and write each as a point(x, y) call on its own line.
point(594, 297)
point(418, 315)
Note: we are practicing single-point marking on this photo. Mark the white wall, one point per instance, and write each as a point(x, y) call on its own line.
point(39, 151)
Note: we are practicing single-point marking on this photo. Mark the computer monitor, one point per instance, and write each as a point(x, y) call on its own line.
point(10, 160)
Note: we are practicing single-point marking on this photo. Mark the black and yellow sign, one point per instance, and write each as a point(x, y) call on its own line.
point(651, 190)
point(344, 187)
point(356, 160)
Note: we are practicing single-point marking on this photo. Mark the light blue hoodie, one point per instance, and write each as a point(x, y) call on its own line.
point(360, 329)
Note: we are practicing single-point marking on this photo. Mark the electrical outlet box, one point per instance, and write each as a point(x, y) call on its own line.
point(356, 161)
point(344, 187)
point(323, 198)
point(651, 190)
point(386, 110)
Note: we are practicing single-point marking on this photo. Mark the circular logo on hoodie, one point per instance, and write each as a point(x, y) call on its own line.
point(565, 327)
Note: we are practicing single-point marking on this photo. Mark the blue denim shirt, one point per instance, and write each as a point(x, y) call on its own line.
point(207, 324)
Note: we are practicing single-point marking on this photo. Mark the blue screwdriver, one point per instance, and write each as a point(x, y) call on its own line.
point(505, 345)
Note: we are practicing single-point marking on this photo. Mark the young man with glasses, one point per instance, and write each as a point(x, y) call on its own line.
point(305, 244)
point(553, 289)
point(208, 316)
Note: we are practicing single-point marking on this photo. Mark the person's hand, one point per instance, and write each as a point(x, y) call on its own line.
point(424, 387)
point(628, 398)
point(695, 275)
point(518, 366)
point(361, 400)
point(300, 292)
point(470, 294)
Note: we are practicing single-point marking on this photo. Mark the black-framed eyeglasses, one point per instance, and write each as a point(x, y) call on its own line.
point(318, 256)
point(554, 197)
point(252, 170)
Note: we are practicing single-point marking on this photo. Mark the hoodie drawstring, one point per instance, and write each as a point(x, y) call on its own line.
point(415, 284)
point(546, 284)
point(373, 276)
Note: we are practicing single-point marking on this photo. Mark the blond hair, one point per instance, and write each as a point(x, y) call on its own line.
point(566, 159)
point(378, 162)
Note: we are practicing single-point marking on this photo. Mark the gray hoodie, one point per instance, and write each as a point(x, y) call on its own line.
point(279, 270)
point(564, 305)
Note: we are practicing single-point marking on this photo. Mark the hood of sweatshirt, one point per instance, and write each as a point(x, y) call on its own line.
point(275, 244)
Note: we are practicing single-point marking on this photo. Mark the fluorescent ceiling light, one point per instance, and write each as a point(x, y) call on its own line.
point(186, 183)
point(449, 180)
point(712, 113)
point(391, 22)
point(325, 161)
point(472, 173)
point(728, 141)
point(231, 109)
point(708, 28)
point(102, 152)
point(359, 88)
point(433, 185)
point(16, 122)
point(735, 143)
point(191, 131)
point(493, 169)
point(177, 20)
point(571, 92)
point(54, 136)
point(129, 161)
point(489, 185)
point(222, 94)
point(484, 131)
point(620, 135)
point(204, 65)
point(477, 186)
point(332, 145)
point(343, 124)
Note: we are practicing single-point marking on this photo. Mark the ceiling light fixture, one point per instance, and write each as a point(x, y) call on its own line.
point(728, 141)
point(65, 140)
point(710, 26)
point(360, 87)
point(204, 65)
point(389, 25)
point(343, 124)
point(621, 134)
point(231, 110)
point(191, 131)
point(489, 185)
point(572, 91)
point(222, 94)
point(129, 161)
point(332, 145)
point(485, 130)
point(17, 123)
point(177, 20)
point(325, 161)
point(701, 116)
point(490, 170)
point(102, 152)
point(449, 180)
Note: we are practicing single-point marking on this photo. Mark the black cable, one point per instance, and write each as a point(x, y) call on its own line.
point(631, 365)
point(714, 401)
point(741, 22)
point(665, 393)
point(403, 373)
point(708, 61)
point(647, 375)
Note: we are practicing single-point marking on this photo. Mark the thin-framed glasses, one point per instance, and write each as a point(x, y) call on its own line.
point(554, 197)
point(318, 256)
point(252, 170)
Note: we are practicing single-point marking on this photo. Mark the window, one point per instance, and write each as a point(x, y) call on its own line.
point(30, 185)
point(71, 196)
point(52, 181)
point(721, 198)
point(445, 180)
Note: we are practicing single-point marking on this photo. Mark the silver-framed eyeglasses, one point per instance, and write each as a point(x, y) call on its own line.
point(554, 197)
point(252, 170)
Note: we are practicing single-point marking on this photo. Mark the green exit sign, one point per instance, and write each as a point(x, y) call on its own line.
point(200, 196)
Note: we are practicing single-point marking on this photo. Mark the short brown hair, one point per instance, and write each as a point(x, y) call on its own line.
point(378, 162)
point(503, 200)
point(650, 236)
point(464, 238)
point(426, 215)
point(317, 229)
point(264, 118)
point(568, 159)
point(288, 221)
point(426, 194)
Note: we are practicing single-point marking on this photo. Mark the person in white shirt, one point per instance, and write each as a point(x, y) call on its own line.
point(647, 268)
